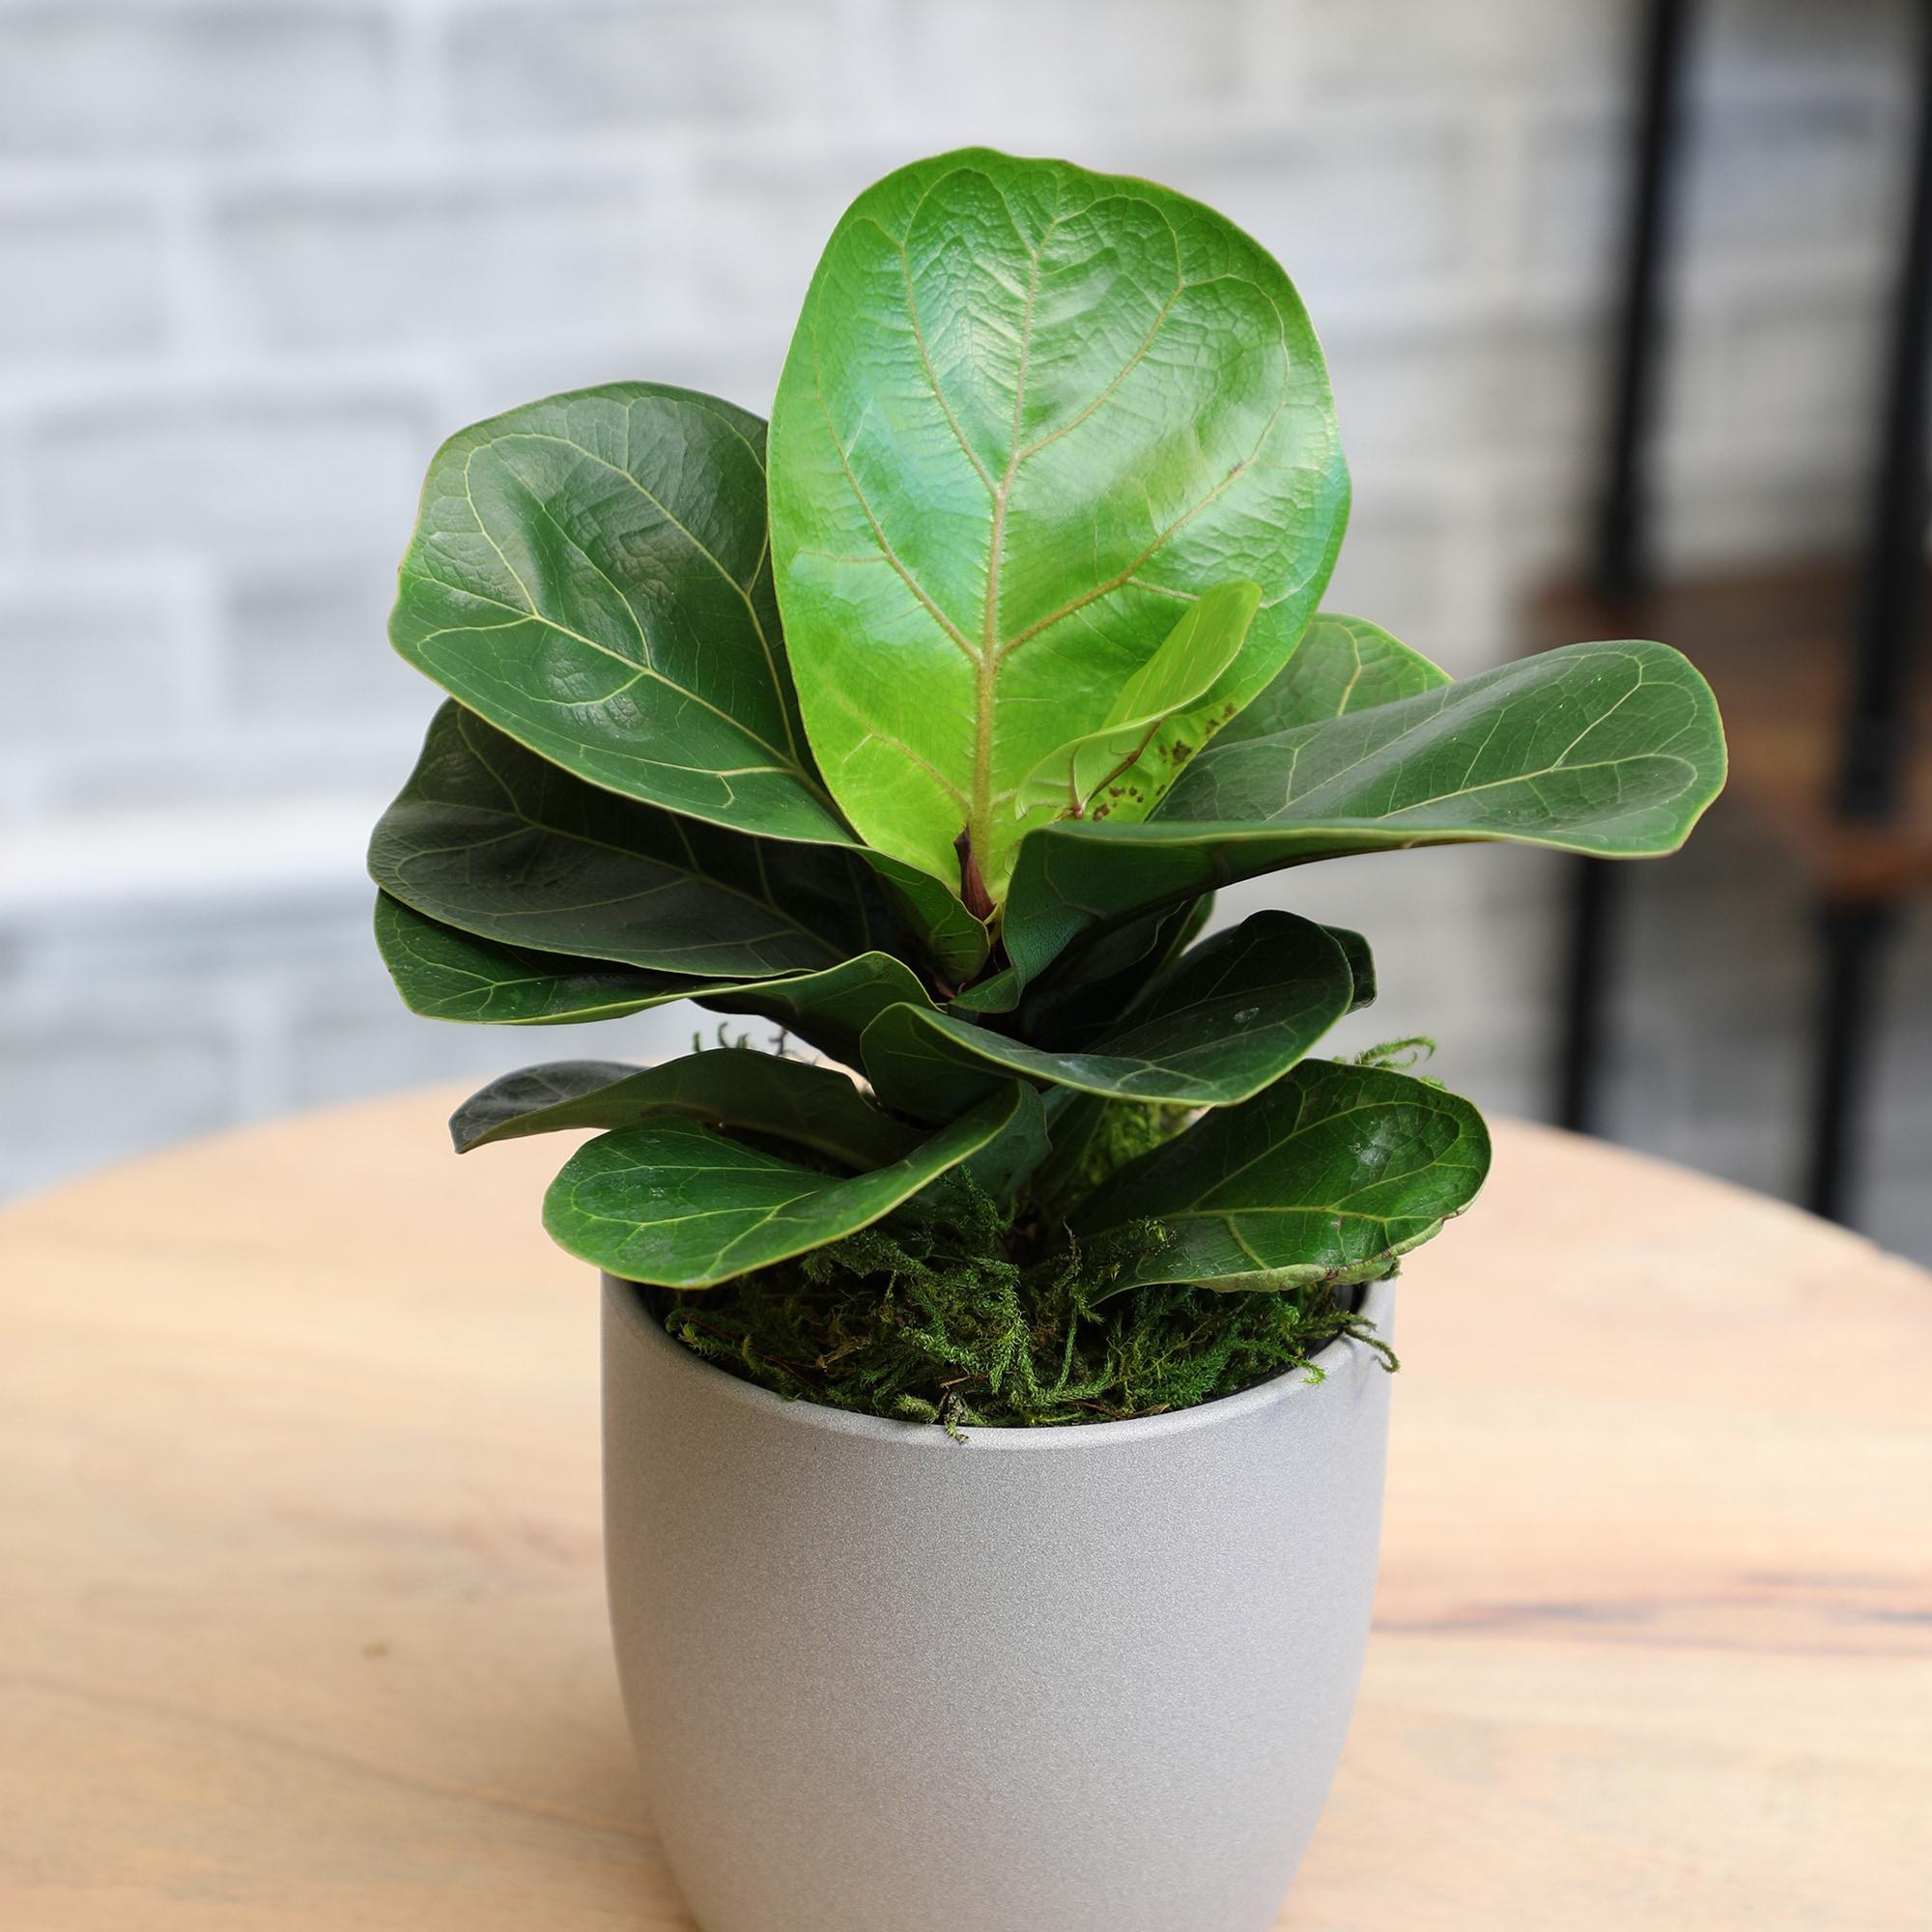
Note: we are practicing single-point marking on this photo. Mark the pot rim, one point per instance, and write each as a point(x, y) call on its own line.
point(627, 1297)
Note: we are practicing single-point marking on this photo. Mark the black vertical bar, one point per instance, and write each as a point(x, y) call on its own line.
point(1621, 569)
point(1852, 942)
point(1891, 610)
point(1891, 607)
point(1623, 533)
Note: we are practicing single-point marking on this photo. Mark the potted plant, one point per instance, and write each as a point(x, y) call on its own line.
point(924, 728)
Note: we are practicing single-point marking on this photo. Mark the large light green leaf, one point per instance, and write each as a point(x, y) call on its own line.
point(448, 975)
point(1611, 749)
point(489, 837)
point(1231, 1015)
point(591, 574)
point(1147, 726)
point(814, 1106)
point(1029, 414)
point(674, 1203)
point(1329, 1175)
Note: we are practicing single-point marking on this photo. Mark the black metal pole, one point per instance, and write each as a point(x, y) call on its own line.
point(1890, 620)
point(1891, 606)
point(1623, 533)
point(1621, 566)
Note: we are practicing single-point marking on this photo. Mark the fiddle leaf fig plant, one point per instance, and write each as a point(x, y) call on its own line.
point(924, 726)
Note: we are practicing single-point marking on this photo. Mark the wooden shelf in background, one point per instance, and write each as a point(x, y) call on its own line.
point(1777, 647)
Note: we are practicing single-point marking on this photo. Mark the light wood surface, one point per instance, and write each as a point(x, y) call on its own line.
point(301, 1621)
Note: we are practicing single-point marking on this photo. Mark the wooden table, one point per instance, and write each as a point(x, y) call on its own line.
point(301, 1621)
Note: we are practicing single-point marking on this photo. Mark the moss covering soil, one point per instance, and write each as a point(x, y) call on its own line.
point(951, 1312)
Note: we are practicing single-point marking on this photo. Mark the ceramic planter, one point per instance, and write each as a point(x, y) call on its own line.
point(1089, 1679)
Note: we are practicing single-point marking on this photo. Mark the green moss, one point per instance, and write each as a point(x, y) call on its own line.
point(957, 1312)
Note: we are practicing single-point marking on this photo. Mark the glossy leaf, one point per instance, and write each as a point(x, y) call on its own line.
point(1341, 665)
point(1327, 1176)
point(445, 974)
point(1093, 984)
point(1028, 415)
point(671, 1201)
point(1146, 731)
point(814, 1106)
point(1611, 749)
point(1231, 1015)
point(1361, 965)
point(591, 574)
point(489, 837)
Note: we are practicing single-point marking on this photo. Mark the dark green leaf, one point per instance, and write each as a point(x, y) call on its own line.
point(448, 975)
point(671, 1201)
point(494, 839)
point(1231, 1015)
point(1611, 749)
point(591, 574)
point(1029, 412)
point(1327, 1175)
point(1361, 965)
point(1090, 985)
point(726, 1088)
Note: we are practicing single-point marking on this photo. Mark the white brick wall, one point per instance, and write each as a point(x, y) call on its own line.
point(257, 256)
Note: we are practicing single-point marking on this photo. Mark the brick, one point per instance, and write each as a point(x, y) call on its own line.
point(81, 80)
point(1396, 566)
point(80, 280)
point(1479, 384)
point(1764, 180)
point(469, 262)
point(75, 665)
point(536, 69)
point(1778, 175)
point(347, 771)
point(1803, 379)
point(1345, 213)
point(1372, 46)
point(307, 643)
point(227, 473)
point(1136, 63)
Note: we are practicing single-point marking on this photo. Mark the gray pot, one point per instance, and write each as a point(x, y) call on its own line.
point(1090, 1679)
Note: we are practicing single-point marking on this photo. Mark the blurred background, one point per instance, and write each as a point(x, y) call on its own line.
point(258, 257)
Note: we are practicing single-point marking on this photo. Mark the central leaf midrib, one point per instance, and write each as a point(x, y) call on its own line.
point(979, 831)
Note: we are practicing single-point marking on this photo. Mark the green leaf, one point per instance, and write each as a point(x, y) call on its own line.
point(1028, 413)
point(727, 1088)
point(491, 838)
point(591, 574)
point(1610, 748)
point(950, 937)
point(1327, 1175)
point(1230, 1016)
point(448, 975)
point(1090, 985)
point(1013, 1153)
point(1341, 664)
point(1361, 965)
point(1123, 770)
point(674, 1203)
